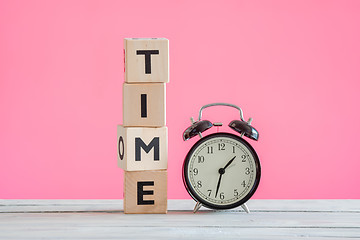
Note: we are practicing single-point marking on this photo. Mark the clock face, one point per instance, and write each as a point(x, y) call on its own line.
point(221, 171)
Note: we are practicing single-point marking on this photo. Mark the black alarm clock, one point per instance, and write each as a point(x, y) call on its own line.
point(221, 170)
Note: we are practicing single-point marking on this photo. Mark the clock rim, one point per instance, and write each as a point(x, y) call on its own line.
point(192, 192)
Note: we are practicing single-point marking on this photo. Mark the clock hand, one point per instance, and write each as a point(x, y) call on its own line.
point(218, 185)
point(229, 162)
point(222, 171)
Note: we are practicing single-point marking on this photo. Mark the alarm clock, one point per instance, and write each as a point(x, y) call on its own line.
point(221, 170)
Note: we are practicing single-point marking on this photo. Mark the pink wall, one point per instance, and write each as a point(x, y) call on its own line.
point(294, 66)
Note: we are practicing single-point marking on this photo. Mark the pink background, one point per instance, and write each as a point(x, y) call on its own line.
point(294, 66)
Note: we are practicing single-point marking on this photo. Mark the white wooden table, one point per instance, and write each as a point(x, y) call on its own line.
point(104, 219)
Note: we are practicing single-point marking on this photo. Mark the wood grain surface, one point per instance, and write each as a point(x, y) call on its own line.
point(104, 219)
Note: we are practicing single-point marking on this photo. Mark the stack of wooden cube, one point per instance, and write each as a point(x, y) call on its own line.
point(143, 137)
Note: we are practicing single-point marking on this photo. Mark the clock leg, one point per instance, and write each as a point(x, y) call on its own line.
point(197, 206)
point(245, 207)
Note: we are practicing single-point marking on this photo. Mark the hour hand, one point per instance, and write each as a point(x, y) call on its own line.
point(228, 164)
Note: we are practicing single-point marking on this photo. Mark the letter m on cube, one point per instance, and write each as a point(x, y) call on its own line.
point(142, 148)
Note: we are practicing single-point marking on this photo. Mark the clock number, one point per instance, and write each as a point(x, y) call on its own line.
point(236, 193)
point(210, 149)
point(243, 158)
point(221, 146)
point(233, 149)
point(222, 196)
point(209, 191)
point(196, 171)
point(247, 171)
point(201, 159)
point(199, 184)
point(243, 183)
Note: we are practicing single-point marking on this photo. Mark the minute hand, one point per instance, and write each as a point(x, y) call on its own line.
point(218, 185)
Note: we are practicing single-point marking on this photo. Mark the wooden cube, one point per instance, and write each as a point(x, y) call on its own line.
point(142, 148)
point(144, 105)
point(145, 192)
point(146, 60)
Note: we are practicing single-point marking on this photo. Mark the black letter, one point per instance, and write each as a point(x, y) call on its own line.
point(153, 144)
point(147, 54)
point(141, 193)
point(121, 144)
point(143, 105)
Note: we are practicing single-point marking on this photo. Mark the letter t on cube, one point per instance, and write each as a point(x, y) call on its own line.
point(146, 60)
